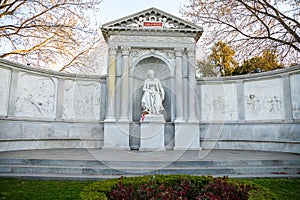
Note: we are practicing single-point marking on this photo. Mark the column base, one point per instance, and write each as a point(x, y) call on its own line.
point(187, 136)
point(152, 149)
point(116, 135)
point(116, 148)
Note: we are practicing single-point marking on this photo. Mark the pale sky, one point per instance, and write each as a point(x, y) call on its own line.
point(114, 9)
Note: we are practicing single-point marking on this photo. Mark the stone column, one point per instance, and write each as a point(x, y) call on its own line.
point(115, 133)
point(111, 84)
point(186, 133)
point(125, 84)
point(178, 84)
point(192, 86)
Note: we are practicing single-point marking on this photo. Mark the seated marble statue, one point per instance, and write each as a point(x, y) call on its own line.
point(153, 95)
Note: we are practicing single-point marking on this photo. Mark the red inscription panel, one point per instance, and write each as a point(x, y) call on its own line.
point(153, 24)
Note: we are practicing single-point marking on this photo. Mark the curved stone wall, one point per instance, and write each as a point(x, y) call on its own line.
point(43, 109)
point(251, 112)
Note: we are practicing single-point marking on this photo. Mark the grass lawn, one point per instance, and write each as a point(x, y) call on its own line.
point(287, 189)
point(282, 188)
point(40, 189)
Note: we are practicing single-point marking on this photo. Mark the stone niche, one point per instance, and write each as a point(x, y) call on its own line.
point(162, 72)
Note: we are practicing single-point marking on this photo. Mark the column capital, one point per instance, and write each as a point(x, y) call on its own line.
point(191, 52)
point(112, 50)
point(178, 52)
point(125, 50)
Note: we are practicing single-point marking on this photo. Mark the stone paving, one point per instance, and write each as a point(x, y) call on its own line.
point(113, 155)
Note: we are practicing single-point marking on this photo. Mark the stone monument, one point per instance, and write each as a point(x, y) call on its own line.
point(41, 109)
point(146, 42)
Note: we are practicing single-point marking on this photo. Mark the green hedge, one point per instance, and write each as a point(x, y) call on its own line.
point(102, 190)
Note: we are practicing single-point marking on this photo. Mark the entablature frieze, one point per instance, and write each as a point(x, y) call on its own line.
point(145, 38)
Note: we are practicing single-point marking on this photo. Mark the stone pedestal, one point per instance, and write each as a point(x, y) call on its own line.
point(152, 133)
point(187, 136)
point(116, 135)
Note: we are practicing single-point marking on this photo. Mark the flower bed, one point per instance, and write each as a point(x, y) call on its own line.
point(173, 187)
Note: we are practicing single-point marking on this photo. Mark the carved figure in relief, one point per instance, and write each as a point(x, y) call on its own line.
point(254, 104)
point(166, 24)
point(275, 105)
point(137, 23)
point(153, 95)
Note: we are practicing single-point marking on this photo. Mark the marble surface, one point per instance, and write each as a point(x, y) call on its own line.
point(152, 133)
point(264, 99)
point(81, 100)
point(295, 95)
point(35, 96)
point(219, 102)
point(4, 90)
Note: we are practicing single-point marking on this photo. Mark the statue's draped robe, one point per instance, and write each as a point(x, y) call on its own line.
point(153, 96)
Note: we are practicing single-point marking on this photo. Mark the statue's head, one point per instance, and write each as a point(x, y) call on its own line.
point(151, 73)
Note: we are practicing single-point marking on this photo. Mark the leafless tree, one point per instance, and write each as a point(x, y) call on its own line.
point(250, 26)
point(53, 34)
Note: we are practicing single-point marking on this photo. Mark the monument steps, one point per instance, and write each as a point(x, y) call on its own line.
point(82, 174)
point(138, 164)
point(93, 169)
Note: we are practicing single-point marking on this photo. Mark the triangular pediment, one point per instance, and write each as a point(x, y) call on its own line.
point(152, 18)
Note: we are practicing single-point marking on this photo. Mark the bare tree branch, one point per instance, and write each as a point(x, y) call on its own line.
point(49, 33)
point(250, 25)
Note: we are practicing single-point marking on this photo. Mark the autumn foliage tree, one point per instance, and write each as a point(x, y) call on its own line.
point(250, 26)
point(223, 56)
point(266, 62)
point(54, 34)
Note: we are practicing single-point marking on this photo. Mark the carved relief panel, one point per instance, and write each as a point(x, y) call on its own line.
point(264, 99)
point(81, 100)
point(163, 53)
point(35, 96)
point(219, 102)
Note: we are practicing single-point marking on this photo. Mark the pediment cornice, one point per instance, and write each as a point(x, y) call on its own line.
point(151, 19)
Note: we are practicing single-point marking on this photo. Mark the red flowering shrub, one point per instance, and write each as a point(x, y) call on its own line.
point(174, 187)
point(222, 189)
point(217, 189)
point(151, 190)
